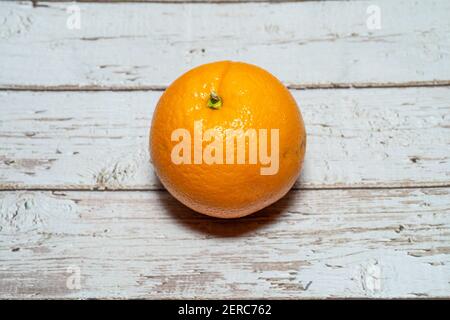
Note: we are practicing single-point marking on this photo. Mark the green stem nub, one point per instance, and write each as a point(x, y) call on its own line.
point(214, 102)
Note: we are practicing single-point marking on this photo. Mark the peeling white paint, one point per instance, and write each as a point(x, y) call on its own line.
point(146, 245)
point(301, 43)
point(86, 140)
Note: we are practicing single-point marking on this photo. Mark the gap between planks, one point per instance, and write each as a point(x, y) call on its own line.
point(367, 85)
point(161, 189)
point(36, 3)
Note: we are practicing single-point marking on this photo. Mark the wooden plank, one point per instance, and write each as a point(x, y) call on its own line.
point(305, 44)
point(98, 140)
point(327, 243)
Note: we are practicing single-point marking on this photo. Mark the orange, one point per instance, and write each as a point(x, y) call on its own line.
point(221, 96)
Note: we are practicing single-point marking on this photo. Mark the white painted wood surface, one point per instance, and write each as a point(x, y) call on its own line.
point(99, 140)
point(313, 243)
point(321, 43)
point(370, 216)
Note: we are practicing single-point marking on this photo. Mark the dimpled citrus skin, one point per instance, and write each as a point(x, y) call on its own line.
point(251, 99)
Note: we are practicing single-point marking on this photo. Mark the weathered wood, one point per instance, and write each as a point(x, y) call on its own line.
point(144, 244)
point(328, 243)
point(305, 44)
point(356, 138)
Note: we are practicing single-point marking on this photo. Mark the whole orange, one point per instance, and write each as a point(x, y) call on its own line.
point(225, 96)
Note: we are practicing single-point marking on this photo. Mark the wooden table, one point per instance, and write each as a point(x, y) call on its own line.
point(83, 216)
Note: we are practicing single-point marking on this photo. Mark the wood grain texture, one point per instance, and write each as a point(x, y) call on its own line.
point(370, 216)
point(305, 44)
point(99, 140)
point(328, 243)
